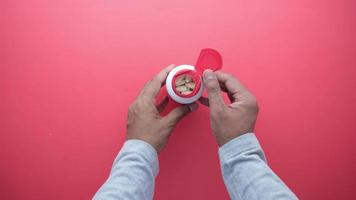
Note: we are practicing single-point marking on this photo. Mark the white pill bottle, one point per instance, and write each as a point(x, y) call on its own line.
point(184, 83)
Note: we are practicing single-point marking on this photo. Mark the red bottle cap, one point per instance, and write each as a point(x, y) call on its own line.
point(208, 59)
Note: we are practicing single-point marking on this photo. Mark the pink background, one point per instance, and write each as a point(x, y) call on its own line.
point(70, 68)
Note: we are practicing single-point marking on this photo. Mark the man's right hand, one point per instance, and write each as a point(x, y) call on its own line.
point(235, 119)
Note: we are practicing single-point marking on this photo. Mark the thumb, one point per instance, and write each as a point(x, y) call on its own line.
point(213, 89)
point(178, 113)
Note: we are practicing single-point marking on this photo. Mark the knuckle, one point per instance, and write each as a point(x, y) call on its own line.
point(137, 106)
point(155, 80)
point(180, 113)
point(230, 76)
point(140, 102)
point(257, 107)
point(252, 102)
point(219, 111)
point(146, 85)
point(153, 83)
point(220, 116)
point(171, 122)
point(132, 107)
point(134, 111)
point(150, 81)
point(224, 117)
point(212, 85)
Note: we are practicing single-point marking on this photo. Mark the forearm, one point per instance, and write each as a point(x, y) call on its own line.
point(133, 173)
point(246, 173)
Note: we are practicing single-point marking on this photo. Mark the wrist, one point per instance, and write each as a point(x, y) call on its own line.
point(145, 140)
point(238, 146)
point(223, 139)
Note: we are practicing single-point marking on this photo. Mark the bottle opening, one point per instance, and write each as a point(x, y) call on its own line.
point(186, 83)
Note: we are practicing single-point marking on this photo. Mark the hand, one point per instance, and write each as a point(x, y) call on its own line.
point(144, 119)
point(235, 119)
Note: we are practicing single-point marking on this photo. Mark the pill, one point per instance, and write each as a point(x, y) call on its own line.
point(180, 80)
point(188, 79)
point(184, 84)
point(182, 88)
point(190, 85)
point(186, 92)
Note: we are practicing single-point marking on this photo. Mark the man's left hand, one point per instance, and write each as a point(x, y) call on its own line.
point(144, 119)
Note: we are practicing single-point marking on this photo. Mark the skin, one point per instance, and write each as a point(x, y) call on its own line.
point(227, 121)
point(144, 120)
point(232, 120)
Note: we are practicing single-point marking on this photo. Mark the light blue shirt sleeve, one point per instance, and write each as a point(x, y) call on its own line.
point(243, 163)
point(246, 173)
point(133, 173)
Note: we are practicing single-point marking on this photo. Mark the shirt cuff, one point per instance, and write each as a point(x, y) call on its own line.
point(143, 149)
point(239, 145)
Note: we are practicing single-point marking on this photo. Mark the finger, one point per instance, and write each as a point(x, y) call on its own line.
point(178, 113)
point(162, 105)
point(222, 87)
point(153, 86)
point(204, 101)
point(213, 89)
point(235, 89)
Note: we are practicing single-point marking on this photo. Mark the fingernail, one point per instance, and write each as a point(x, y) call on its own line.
point(208, 74)
point(193, 107)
